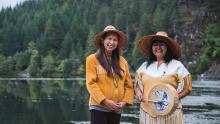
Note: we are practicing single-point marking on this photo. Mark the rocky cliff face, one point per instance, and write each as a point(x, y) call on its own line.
point(190, 26)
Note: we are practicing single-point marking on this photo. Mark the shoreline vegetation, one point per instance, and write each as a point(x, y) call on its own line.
point(52, 38)
point(80, 78)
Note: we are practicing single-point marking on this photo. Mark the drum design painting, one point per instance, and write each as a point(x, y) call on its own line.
point(162, 102)
point(163, 99)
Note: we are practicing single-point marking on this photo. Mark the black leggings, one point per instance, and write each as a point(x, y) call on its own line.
point(99, 117)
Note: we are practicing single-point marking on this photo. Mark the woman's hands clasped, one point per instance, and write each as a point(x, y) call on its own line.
point(115, 106)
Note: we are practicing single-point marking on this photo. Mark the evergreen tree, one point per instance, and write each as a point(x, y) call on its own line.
point(66, 46)
point(7, 67)
point(35, 61)
point(136, 57)
point(212, 40)
point(164, 15)
point(9, 44)
point(65, 68)
point(145, 25)
point(48, 66)
point(90, 43)
point(53, 34)
point(22, 60)
point(67, 27)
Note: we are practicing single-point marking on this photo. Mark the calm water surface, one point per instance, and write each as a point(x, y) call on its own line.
point(66, 102)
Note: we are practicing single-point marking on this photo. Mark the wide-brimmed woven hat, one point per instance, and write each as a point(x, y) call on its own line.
point(122, 39)
point(145, 43)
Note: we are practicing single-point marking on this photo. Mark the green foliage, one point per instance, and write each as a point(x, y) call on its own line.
point(35, 64)
point(203, 64)
point(9, 40)
point(48, 66)
point(53, 34)
point(75, 63)
point(2, 58)
point(35, 60)
point(211, 46)
point(89, 45)
point(144, 25)
point(164, 15)
point(212, 40)
point(80, 70)
point(22, 60)
point(65, 68)
point(136, 56)
point(33, 29)
point(66, 46)
point(7, 66)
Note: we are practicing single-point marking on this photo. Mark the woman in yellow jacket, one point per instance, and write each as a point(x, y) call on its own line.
point(107, 78)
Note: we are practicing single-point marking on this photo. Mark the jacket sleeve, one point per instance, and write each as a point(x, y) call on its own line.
point(91, 81)
point(129, 91)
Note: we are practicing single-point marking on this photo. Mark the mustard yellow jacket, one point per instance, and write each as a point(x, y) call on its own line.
point(100, 86)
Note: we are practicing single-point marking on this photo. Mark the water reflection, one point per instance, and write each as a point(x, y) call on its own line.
point(42, 102)
point(66, 102)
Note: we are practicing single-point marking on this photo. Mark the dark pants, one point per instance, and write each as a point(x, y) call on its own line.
point(99, 117)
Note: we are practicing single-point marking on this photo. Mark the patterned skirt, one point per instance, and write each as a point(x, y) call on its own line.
point(175, 118)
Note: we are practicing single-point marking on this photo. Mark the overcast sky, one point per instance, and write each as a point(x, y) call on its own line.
point(12, 3)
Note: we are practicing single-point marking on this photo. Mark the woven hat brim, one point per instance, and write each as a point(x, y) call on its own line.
point(122, 39)
point(145, 42)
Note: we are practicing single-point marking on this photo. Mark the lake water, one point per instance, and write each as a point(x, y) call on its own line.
point(66, 102)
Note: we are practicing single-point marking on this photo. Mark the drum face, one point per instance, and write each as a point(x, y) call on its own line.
point(162, 99)
point(159, 98)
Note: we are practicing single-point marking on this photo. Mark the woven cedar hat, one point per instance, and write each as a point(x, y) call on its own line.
point(145, 43)
point(122, 39)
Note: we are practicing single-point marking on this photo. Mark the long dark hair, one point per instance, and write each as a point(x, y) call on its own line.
point(168, 57)
point(101, 56)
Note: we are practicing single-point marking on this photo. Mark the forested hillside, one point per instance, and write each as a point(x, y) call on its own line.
point(51, 38)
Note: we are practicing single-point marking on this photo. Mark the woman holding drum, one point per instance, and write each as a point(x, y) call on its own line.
point(158, 78)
